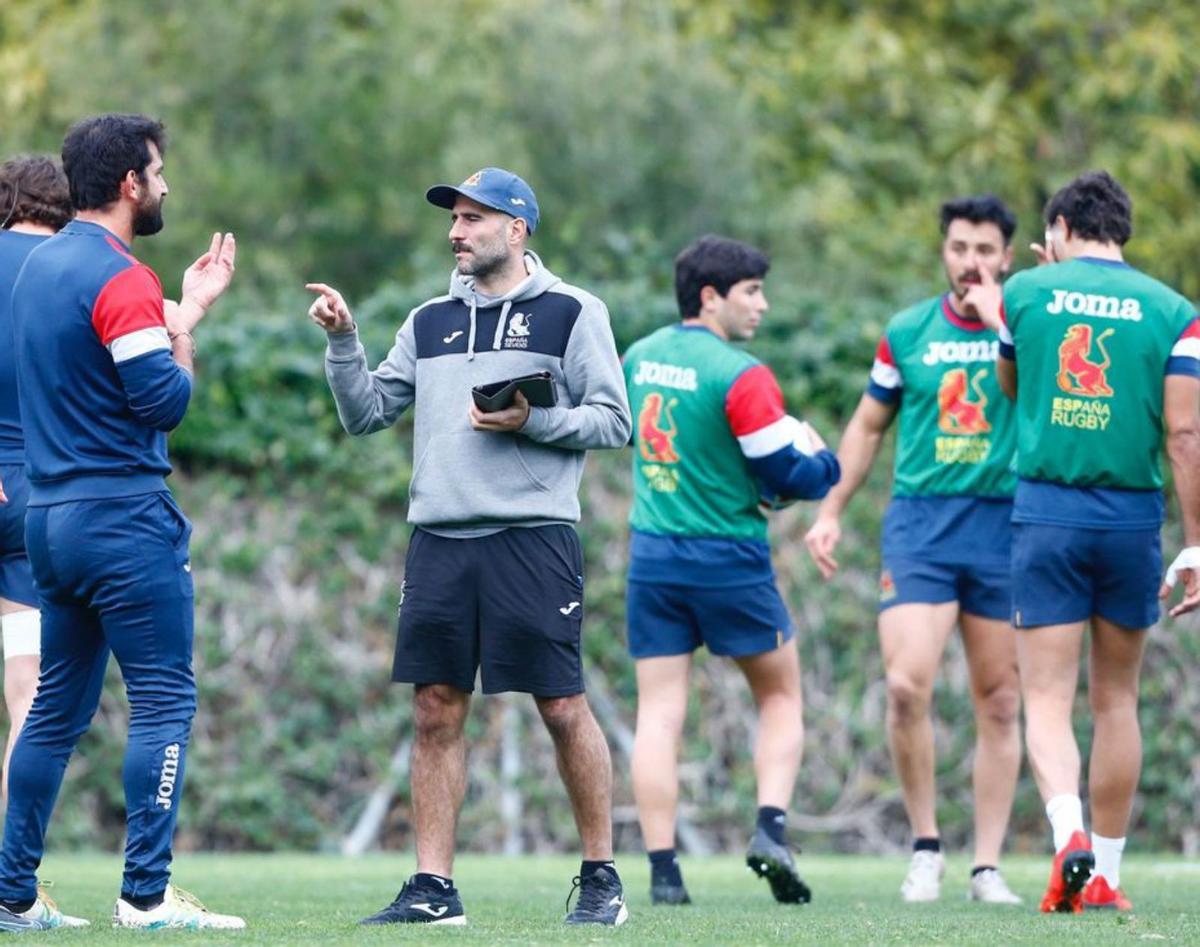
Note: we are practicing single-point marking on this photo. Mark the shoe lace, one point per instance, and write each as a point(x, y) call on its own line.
point(923, 861)
point(591, 894)
point(187, 899)
point(405, 890)
point(44, 897)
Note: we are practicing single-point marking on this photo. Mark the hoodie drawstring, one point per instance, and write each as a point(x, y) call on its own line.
point(471, 334)
point(500, 325)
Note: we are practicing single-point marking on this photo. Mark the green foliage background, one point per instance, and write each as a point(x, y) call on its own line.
point(826, 131)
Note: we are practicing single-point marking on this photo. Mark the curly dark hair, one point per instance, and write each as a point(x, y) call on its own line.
point(33, 190)
point(980, 209)
point(1096, 207)
point(99, 151)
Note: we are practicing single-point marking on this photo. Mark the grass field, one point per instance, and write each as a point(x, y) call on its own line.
point(311, 899)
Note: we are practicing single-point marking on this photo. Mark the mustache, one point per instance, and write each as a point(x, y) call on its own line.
point(456, 245)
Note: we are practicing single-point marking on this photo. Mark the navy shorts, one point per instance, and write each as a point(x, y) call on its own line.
point(1064, 574)
point(16, 576)
point(508, 605)
point(677, 619)
point(980, 588)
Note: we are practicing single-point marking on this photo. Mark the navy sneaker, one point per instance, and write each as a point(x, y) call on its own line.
point(768, 859)
point(422, 902)
point(601, 899)
point(664, 892)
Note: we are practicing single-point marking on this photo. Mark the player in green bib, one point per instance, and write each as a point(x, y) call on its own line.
point(711, 442)
point(945, 539)
point(1103, 361)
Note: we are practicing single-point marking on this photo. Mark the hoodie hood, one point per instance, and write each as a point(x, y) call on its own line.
point(537, 282)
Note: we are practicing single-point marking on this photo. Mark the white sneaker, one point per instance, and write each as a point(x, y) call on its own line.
point(45, 915)
point(178, 909)
point(989, 886)
point(924, 881)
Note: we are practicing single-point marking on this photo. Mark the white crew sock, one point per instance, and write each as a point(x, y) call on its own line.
point(1108, 858)
point(1065, 813)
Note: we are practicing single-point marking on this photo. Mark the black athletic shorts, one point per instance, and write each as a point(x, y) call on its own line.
point(509, 605)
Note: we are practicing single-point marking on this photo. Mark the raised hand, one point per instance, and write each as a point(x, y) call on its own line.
point(985, 300)
point(1043, 253)
point(329, 310)
point(206, 279)
point(822, 539)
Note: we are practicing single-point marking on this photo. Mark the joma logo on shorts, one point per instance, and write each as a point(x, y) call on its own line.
point(167, 776)
point(1093, 304)
point(955, 353)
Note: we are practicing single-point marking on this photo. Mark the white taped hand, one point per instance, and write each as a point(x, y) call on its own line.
point(1188, 559)
point(804, 438)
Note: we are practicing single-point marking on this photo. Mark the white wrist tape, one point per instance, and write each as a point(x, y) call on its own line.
point(1188, 559)
point(22, 633)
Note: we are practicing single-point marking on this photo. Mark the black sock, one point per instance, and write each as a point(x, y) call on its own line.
point(772, 821)
point(147, 902)
point(927, 844)
point(664, 867)
point(587, 868)
point(978, 868)
point(19, 907)
point(426, 880)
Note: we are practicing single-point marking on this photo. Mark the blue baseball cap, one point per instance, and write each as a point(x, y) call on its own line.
point(492, 187)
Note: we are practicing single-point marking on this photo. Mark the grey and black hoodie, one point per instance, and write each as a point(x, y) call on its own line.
point(467, 482)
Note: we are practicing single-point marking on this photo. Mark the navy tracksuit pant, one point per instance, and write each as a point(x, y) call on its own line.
point(112, 575)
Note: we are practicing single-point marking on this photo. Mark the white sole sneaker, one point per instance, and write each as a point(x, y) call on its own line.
point(178, 910)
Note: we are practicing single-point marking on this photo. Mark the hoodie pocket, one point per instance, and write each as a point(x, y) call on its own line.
point(475, 475)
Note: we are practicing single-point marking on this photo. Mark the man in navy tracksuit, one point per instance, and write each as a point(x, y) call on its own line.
point(104, 370)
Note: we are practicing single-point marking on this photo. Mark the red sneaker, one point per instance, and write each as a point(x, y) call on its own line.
point(1069, 873)
point(1099, 896)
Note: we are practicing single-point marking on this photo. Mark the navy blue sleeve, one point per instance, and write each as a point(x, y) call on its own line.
point(794, 474)
point(157, 389)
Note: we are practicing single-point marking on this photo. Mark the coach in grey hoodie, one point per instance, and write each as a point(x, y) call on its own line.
point(466, 482)
point(494, 573)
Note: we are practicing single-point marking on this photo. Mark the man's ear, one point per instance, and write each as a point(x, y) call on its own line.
point(130, 185)
point(519, 231)
point(708, 297)
point(1006, 259)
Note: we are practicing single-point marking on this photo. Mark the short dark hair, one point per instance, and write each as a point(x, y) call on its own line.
point(33, 189)
point(99, 151)
point(1096, 207)
point(718, 262)
point(980, 209)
